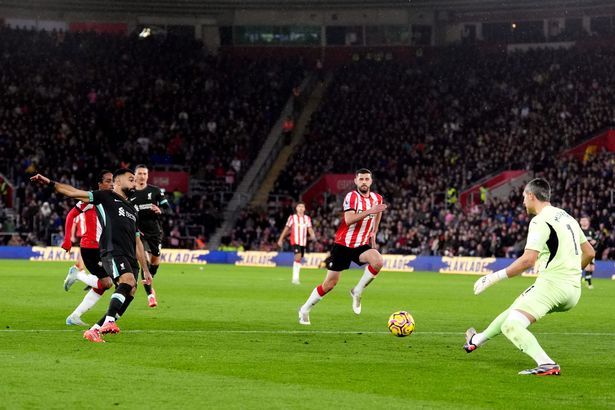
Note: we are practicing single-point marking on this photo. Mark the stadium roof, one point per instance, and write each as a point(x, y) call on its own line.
point(195, 7)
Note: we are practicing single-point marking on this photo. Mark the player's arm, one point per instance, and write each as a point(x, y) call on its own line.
point(352, 217)
point(587, 254)
point(64, 189)
point(142, 258)
point(375, 230)
point(285, 232)
point(69, 229)
point(538, 234)
point(520, 265)
point(312, 233)
point(162, 204)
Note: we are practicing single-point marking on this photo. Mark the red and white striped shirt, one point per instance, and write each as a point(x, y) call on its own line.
point(298, 226)
point(357, 234)
point(89, 227)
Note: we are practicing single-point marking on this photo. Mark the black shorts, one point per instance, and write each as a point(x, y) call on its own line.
point(298, 249)
point(92, 262)
point(341, 256)
point(116, 266)
point(152, 244)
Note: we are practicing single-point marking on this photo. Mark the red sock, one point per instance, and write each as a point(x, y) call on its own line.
point(320, 290)
point(372, 270)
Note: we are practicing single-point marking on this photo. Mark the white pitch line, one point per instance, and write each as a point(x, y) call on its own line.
point(290, 332)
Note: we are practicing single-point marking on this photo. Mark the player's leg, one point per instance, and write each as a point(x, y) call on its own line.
point(532, 305)
point(152, 247)
point(374, 262)
point(298, 251)
point(588, 272)
point(126, 282)
point(515, 329)
point(77, 272)
point(91, 260)
point(474, 340)
point(131, 296)
point(316, 296)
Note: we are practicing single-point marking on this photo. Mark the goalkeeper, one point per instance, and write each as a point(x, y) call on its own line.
point(558, 250)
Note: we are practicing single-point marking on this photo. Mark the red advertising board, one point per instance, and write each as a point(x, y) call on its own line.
point(170, 180)
point(112, 28)
point(329, 183)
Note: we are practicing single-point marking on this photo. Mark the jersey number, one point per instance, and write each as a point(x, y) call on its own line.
point(576, 250)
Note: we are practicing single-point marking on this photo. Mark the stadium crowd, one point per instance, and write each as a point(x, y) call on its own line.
point(445, 124)
point(496, 227)
point(74, 103)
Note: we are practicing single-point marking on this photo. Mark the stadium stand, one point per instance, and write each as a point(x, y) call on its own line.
point(447, 123)
point(79, 102)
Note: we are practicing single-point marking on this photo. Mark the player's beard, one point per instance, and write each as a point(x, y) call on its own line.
point(128, 191)
point(364, 189)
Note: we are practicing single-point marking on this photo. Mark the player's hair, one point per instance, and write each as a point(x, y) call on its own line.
point(101, 175)
point(362, 171)
point(141, 166)
point(299, 203)
point(121, 172)
point(540, 188)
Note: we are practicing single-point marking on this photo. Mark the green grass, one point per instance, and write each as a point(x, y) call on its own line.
point(227, 337)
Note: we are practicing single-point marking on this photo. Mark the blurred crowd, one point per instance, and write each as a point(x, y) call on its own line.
point(445, 124)
point(494, 227)
point(74, 103)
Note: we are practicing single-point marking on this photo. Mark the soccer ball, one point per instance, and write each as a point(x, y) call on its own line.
point(401, 324)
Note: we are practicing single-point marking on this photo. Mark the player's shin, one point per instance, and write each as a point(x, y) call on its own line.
point(494, 329)
point(316, 296)
point(514, 328)
point(296, 271)
point(89, 300)
point(117, 300)
point(125, 305)
point(369, 275)
point(152, 270)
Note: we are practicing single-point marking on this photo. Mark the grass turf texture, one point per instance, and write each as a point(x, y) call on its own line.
point(228, 337)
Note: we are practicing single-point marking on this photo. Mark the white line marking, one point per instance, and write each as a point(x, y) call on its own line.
point(288, 332)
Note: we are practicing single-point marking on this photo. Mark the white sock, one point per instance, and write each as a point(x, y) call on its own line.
point(109, 319)
point(87, 278)
point(479, 339)
point(296, 270)
point(312, 300)
point(96, 326)
point(89, 300)
point(364, 281)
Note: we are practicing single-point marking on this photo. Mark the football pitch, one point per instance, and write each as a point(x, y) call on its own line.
point(228, 337)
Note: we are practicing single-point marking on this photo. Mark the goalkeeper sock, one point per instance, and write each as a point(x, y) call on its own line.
point(514, 328)
point(492, 330)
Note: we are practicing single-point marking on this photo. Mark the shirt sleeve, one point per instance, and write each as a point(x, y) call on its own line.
point(537, 236)
point(289, 222)
point(350, 202)
point(96, 197)
point(309, 222)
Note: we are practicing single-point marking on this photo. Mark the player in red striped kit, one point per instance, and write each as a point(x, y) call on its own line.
point(355, 241)
point(299, 225)
point(89, 227)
